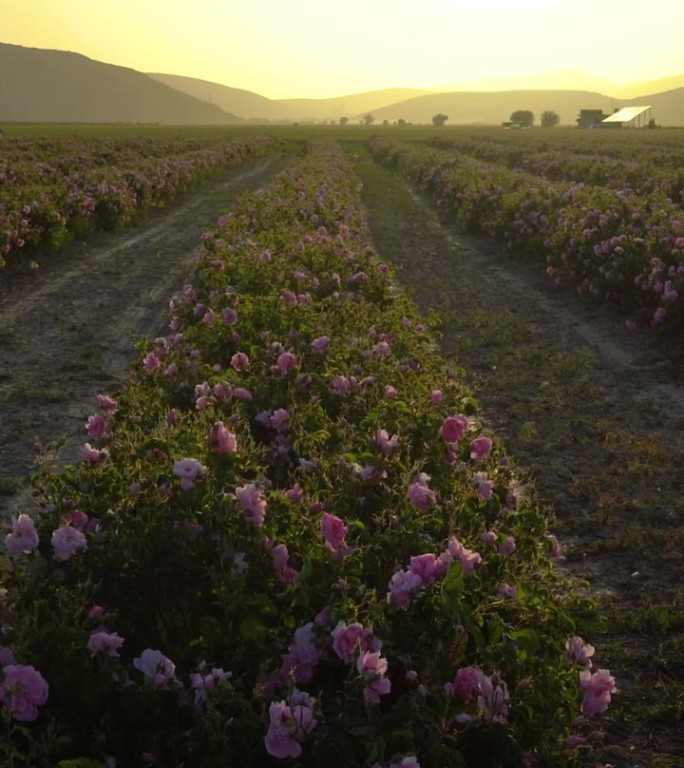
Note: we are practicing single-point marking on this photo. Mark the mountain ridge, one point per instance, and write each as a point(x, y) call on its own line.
point(42, 85)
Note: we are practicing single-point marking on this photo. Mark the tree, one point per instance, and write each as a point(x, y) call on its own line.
point(549, 119)
point(524, 117)
point(368, 119)
point(439, 119)
point(344, 120)
point(401, 121)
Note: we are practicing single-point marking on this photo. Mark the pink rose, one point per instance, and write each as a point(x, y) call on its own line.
point(188, 470)
point(93, 455)
point(157, 669)
point(480, 448)
point(419, 494)
point(334, 532)
point(320, 344)
point(221, 439)
point(455, 428)
point(97, 427)
point(22, 690)
point(596, 691)
point(253, 502)
point(240, 361)
point(66, 541)
point(104, 642)
point(23, 538)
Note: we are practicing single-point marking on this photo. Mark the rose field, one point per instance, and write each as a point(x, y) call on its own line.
point(55, 189)
point(292, 534)
point(611, 228)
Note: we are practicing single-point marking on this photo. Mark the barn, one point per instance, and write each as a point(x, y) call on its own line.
point(590, 117)
point(628, 117)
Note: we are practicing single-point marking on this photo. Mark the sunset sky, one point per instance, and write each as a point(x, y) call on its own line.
point(326, 48)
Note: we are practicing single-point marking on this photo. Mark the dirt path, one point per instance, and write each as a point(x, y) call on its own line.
point(593, 415)
point(68, 332)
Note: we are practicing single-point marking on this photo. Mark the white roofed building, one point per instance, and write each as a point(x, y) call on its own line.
point(628, 117)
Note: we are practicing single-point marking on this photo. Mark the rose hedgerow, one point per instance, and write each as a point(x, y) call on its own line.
point(620, 244)
point(342, 553)
point(54, 189)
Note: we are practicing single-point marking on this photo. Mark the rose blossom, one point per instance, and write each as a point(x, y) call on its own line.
point(302, 655)
point(466, 557)
point(334, 532)
point(402, 586)
point(93, 455)
point(349, 638)
point(22, 690)
point(105, 642)
point(203, 683)
point(188, 470)
point(419, 494)
point(508, 546)
point(384, 442)
point(23, 537)
point(66, 541)
point(480, 448)
point(320, 344)
point(466, 684)
point(596, 690)
point(151, 363)
point(97, 427)
point(286, 362)
point(285, 573)
point(221, 439)
point(454, 428)
point(289, 725)
point(579, 652)
point(373, 668)
point(107, 403)
point(252, 501)
point(240, 361)
point(156, 667)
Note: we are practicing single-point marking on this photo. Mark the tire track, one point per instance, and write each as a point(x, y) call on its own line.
point(69, 334)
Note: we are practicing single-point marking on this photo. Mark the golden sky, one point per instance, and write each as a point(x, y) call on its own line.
point(326, 48)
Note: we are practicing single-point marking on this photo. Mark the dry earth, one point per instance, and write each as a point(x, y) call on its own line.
point(68, 331)
point(594, 417)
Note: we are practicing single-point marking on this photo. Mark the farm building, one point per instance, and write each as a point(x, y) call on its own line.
point(589, 117)
point(628, 117)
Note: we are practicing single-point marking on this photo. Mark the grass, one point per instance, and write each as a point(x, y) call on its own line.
point(610, 485)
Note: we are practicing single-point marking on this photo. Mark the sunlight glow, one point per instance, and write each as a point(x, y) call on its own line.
point(321, 48)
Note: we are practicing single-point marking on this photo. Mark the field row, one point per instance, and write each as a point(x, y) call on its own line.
point(288, 535)
point(644, 172)
point(659, 149)
point(52, 190)
point(617, 245)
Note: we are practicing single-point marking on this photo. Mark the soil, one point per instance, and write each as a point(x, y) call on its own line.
point(68, 329)
point(593, 416)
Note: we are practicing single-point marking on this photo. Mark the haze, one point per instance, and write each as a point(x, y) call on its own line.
point(321, 48)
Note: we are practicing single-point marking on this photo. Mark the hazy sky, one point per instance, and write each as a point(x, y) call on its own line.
point(326, 48)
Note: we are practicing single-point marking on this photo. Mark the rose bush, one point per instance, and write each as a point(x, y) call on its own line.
point(54, 189)
point(300, 556)
point(617, 244)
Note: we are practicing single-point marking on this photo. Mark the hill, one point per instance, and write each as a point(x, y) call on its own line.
point(492, 108)
point(245, 104)
point(349, 105)
point(569, 80)
point(45, 86)
point(667, 107)
point(465, 108)
point(252, 106)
